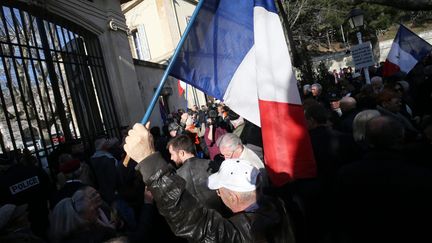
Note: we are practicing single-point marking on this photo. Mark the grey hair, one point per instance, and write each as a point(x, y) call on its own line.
point(245, 197)
point(317, 85)
point(376, 79)
point(404, 84)
point(66, 216)
point(229, 140)
point(359, 123)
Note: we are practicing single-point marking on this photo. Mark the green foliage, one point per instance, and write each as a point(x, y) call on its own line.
point(322, 72)
point(311, 20)
point(306, 69)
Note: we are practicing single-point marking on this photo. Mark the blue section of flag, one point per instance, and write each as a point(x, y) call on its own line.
point(218, 41)
point(412, 43)
point(269, 5)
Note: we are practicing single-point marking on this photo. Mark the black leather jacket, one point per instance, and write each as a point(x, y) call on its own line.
point(189, 219)
point(195, 172)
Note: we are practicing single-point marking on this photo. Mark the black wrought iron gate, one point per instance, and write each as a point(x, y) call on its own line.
point(53, 84)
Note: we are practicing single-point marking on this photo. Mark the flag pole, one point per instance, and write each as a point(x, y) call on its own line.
point(186, 97)
point(167, 71)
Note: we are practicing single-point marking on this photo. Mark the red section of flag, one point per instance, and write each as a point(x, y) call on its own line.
point(180, 88)
point(390, 68)
point(287, 148)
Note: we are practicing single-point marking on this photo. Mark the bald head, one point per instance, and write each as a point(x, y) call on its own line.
point(347, 103)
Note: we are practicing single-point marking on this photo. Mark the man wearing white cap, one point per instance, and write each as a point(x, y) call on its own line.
point(257, 218)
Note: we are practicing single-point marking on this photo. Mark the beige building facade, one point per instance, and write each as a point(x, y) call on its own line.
point(156, 27)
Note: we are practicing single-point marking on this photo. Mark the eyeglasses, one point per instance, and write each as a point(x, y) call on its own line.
point(229, 156)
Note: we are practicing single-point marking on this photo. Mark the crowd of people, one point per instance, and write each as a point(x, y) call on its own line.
point(202, 176)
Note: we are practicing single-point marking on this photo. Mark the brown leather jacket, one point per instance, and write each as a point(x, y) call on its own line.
point(189, 219)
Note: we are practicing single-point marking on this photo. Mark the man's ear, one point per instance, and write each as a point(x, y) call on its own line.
point(181, 153)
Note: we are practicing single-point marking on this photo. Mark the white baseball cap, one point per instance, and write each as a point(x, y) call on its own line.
point(236, 175)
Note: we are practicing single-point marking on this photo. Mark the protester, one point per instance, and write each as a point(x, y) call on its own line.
point(70, 178)
point(175, 129)
point(377, 84)
point(194, 171)
point(105, 167)
point(14, 225)
point(80, 218)
point(257, 217)
point(231, 146)
point(359, 126)
point(19, 185)
point(385, 196)
point(214, 130)
point(389, 104)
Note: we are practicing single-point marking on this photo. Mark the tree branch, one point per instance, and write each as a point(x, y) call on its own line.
point(401, 4)
point(298, 13)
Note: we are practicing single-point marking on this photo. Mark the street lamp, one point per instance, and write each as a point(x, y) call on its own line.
point(356, 20)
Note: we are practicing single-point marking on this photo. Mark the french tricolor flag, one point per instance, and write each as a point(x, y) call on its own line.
point(236, 52)
point(407, 49)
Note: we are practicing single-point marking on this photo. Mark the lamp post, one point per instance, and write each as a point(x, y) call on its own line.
point(356, 20)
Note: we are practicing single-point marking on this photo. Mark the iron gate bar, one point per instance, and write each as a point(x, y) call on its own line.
point(80, 113)
point(107, 86)
point(12, 136)
point(75, 45)
point(105, 111)
point(27, 77)
point(32, 61)
point(9, 79)
point(99, 86)
point(64, 91)
point(18, 78)
point(47, 26)
point(75, 56)
point(81, 74)
point(60, 73)
point(54, 81)
point(11, 133)
point(45, 85)
point(41, 49)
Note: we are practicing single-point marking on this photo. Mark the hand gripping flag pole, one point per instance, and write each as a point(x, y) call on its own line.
point(167, 71)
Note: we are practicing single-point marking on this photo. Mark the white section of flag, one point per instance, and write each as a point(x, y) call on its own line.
point(241, 94)
point(276, 79)
point(403, 59)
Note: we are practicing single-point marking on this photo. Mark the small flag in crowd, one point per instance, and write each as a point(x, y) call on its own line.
point(236, 52)
point(181, 87)
point(407, 49)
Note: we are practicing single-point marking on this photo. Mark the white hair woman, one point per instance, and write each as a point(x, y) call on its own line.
point(81, 219)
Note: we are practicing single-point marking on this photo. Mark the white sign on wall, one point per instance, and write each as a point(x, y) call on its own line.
point(362, 55)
